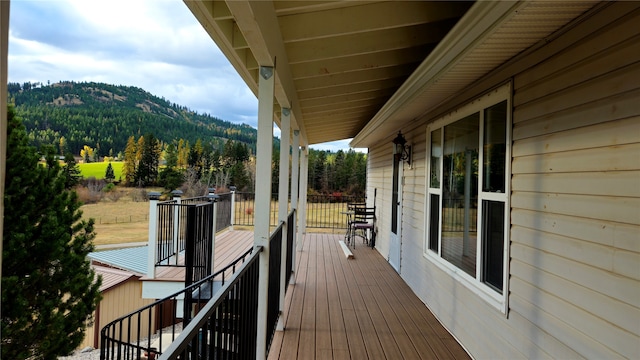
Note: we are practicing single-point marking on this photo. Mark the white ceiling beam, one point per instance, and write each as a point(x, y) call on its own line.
point(285, 7)
point(360, 62)
point(350, 89)
point(362, 76)
point(369, 43)
point(344, 105)
point(258, 23)
point(359, 18)
point(375, 94)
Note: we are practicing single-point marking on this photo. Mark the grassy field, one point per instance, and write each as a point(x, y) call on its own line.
point(118, 222)
point(98, 169)
point(125, 220)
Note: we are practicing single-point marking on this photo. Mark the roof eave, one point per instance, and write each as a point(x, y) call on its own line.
point(481, 19)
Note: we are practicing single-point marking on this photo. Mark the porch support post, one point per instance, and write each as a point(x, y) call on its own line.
point(4, 56)
point(283, 203)
point(302, 206)
point(264, 150)
point(295, 186)
point(153, 234)
point(295, 169)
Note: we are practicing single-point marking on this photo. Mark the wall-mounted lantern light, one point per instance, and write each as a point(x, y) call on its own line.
point(401, 151)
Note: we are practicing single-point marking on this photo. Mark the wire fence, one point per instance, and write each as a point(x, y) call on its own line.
point(121, 219)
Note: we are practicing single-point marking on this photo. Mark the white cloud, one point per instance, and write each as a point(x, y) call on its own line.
point(156, 45)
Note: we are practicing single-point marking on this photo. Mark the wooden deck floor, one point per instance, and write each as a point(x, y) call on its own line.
point(355, 309)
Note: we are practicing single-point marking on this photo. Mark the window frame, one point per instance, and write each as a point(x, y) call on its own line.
point(476, 284)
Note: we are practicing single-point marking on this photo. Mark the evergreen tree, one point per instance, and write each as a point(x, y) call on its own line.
point(238, 176)
point(147, 172)
point(130, 163)
point(183, 153)
point(109, 175)
point(195, 159)
point(71, 171)
point(170, 178)
point(139, 148)
point(48, 287)
point(171, 156)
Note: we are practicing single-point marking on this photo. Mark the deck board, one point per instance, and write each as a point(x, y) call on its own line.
point(358, 308)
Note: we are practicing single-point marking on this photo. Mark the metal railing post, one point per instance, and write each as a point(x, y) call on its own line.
point(154, 197)
point(233, 209)
point(177, 196)
point(214, 198)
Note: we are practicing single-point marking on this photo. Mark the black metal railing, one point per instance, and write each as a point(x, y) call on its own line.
point(245, 204)
point(328, 211)
point(225, 328)
point(223, 212)
point(323, 211)
point(131, 336)
point(173, 224)
point(169, 242)
point(291, 228)
point(273, 295)
point(184, 225)
point(199, 244)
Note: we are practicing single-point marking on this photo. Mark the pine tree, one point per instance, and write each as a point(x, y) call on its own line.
point(130, 162)
point(109, 175)
point(49, 290)
point(147, 172)
point(171, 156)
point(71, 171)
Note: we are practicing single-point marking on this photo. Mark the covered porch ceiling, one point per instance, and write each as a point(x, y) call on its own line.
point(364, 69)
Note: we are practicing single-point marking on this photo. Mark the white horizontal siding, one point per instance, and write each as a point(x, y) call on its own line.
point(575, 259)
point(575, 219)
point(379, 181)
point(608, 158)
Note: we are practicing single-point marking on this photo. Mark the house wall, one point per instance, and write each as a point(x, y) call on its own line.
point(575, 202)
point(116, 302)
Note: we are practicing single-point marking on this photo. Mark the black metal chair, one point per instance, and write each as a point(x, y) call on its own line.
point(363, 223)
point(350, 220)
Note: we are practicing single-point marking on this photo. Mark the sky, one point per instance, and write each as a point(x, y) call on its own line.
point(156, 45)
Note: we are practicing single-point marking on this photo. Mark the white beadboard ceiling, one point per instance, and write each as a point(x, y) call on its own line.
point(363, 69)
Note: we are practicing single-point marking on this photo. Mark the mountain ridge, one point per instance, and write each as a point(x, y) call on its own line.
point(104, 116)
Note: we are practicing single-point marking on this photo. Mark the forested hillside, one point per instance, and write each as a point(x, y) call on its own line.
point(96, 120)
point(104, 116)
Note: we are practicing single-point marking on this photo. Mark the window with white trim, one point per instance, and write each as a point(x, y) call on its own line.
point(468, 194)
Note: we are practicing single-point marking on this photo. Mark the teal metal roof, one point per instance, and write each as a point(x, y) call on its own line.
point(132, 259)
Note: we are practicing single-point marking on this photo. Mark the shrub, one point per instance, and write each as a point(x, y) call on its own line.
point(110, 187)
point(86, 196)
point(139, 195)
point(93, 184)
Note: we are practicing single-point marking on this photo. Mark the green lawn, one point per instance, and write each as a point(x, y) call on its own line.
point(98, 169)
